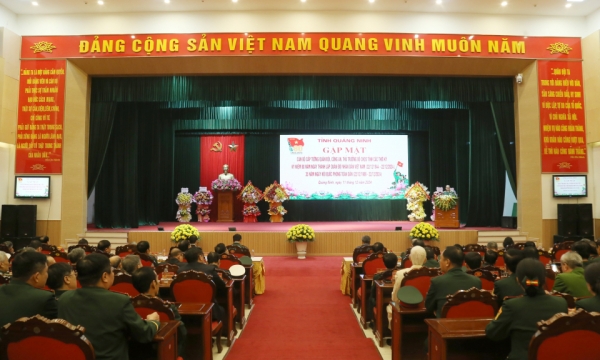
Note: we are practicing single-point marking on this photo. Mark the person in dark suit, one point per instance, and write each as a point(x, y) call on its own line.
point(220, 248)
point(24, 296)
point(518, 317)
point(453, 280)
point(237, 241)
point(473, 260)
point(378, 247)
point(592, 278)
point(145, 281)
point(584, 249)
point(431, 261)
point(61, 278)
point(193, 239)
point(509, 286)
point(103, 246)
point(490, 258)
point(183, 245)
point(508, 242)
point(571, 281)
point(365, 242)
point(108, 317)
point(192, 256)
point(175, 257)
point(530, 253)
point(143, 247)
point(390, 260)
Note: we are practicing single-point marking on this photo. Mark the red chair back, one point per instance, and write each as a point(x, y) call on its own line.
point(472, 303)
point(500, 260)
point(39, 338)
point(373, 264)
point(545, 257)
point(145, 306)
point(228, 260)
point(193, 286)
point(238, 252)
point(125, 250)
point(486, 277)
point(48, 249)
point(421, 279)
point(145, 259)
point(481, 249)
point(406, 262)
point(60, 256)
point(88, 249)
point(124, 285)
point(361, 253)
point(580, 330)
point(168, 268)
point(559, 249)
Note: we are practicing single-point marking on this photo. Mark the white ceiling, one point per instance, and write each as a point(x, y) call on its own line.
point(515, 7)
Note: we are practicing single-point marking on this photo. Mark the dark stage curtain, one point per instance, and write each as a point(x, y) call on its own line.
point(187, 169)
point(103, 114)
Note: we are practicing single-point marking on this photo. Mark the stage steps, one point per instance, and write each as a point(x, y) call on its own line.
point(498, 236)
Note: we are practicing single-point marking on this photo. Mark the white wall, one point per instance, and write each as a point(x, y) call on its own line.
point(299, 21)
point(8, 19)
point(592, 23)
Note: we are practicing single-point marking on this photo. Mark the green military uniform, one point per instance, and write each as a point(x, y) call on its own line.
point(441, 286)
point(572, 283)
point(59, 293)
point(518, 319)
point(109, 319)
point(507, 287)
point(19, 299)
point(589, 304)
point(432, 263)
point(239, 245)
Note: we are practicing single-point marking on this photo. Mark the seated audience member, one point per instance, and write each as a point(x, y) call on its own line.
point(530, 244)
point(473, 260)
point(593, 248)
point(183, 245)
point(571, 281)
point(50, 260)
point(508, 242)
point(366, 240)
point(4, 264)
point(417, 257)
point(193, 239)
point(145, 281)
point(61, 278)
point(44, 240)
point(36, 245)
point(459, 246)
point(530, 253)
point(452, 280)
point(414, 242)
point(518, 317)
point(175, 257)
point(131, 263)
point(378, 247)
point(108, 317)
point(492, 246)
point(75, 255)
point(431, 261)
point(592, 278)
point(490, 258)
point(83, 241)
point(509, 286)
point(584, 250)
point(220, 248)
point(192, 256)
point(213, 259)
point(103, 246)
point(143, 247)
point(10, 246)
point(23, 296)
point(237, 241)
point(115, 262)
point(390, 261)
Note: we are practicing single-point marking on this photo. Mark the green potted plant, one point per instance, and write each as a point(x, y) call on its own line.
point(301, 234)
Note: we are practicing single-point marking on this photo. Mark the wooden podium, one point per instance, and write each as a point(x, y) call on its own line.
point(447, 219)
point(225, 206)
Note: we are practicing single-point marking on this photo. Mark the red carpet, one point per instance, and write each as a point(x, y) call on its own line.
point(302, 315)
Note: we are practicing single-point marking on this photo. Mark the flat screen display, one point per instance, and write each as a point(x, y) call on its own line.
point(344, 167)
point(32, 187)
point(570, 185)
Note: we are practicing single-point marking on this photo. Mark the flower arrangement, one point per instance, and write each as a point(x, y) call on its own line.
point(203, 212)
point(250, 194)
point(184, 198)
point(415, 195)
point(275, 193)
point(251, 210)
point(183, 215)
point(203, 197)
point(184, 202)
point(277, 210)
point(445, 202)
point(221, 185)
point(183, 232)
point(300, 232)
point(424, 231)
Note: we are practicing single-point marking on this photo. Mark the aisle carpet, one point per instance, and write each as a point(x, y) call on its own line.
point(302, 315)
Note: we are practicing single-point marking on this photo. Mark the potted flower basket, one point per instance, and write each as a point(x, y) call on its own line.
point(301, 234)
point(426, 232)
point(250, 195)
point(183, 232)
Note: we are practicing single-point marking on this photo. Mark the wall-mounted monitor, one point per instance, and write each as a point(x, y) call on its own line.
point(569, 185)
point(28, 187)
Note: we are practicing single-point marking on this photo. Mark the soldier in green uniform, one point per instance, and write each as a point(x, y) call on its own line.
point(571, 281)
point(592, 278)
point(431, 261)
point(509, 286)
point(24, 296)
point(108, 317)
point(518, 317)
point(61, 278)
point(237, 241)
point(453, 280)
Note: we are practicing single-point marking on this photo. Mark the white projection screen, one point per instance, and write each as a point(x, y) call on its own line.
point(344, 167)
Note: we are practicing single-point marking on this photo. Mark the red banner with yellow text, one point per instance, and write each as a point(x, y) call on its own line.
point(562, 117)
point(306, 44)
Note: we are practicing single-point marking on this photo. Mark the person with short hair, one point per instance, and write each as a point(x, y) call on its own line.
point(131, 263)
point(571, 281)
point(473, 260)
point(452, 280)
point(10, 246)
point(4, 263)
point(220, 248)
point(492, 246)
point(44, 239)
point(75, 255)
point(213, 259)
point(115, 262)
point(143, 247)
point(366, 240)
point(103, 246)
point(237, 241)
point(530, 253)
point(36, 244)
point(431, 261)
point(490, 258)
point(24, 295)
point(530, 244)
point(592, 278)
point(183, 245)
point(378, 247)
point(83, 241)
point(584, 250)
point(509, 286)
point(508, 242)
point(390, 260)
point(193, 239)
point(108, 317)
point(61, 278)
point(518, 318)
point(145, 280)
point(175, 257)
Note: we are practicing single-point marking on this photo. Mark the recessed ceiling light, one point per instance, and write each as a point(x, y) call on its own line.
point(234, 1)
point(371, 1)
point(303, 0)
point(574, 0)
point(34, 3)
point(439, 2)
point(504, 3)
point(100, 2)
point(568, 5)
point(167, 1)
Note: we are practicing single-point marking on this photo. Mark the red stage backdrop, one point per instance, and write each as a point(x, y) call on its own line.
point(217, 150)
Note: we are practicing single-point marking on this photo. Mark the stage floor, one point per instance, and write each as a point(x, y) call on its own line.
point(325, 226)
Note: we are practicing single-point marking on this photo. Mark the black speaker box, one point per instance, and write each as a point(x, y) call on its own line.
point(8, 228)
point(560, 238)
point(398, 228)
point(568, 219)
point(27, 220)
point(232, 229)
point(509, 222)
point(586, 220)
